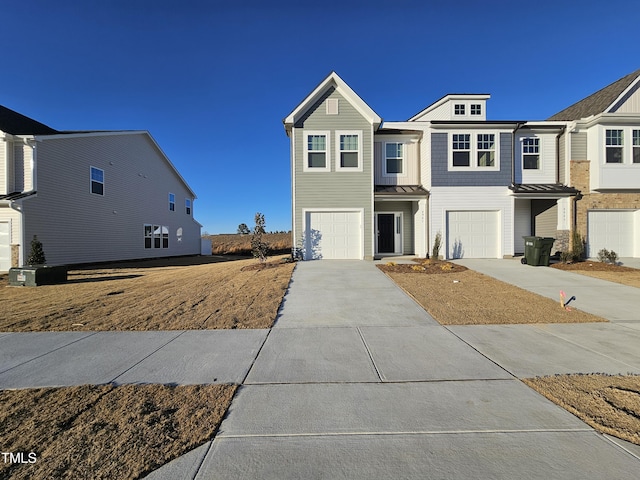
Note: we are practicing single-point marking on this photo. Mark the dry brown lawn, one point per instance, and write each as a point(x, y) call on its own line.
point(610, 404)
point(454, 295)
point(174, 294)
point(108, 432)
point(605, 271)
point(235, 244)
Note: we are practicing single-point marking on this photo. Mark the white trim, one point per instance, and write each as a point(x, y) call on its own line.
point(398, 240)
point(360, 211)
point(339, 167)
point(305, 152)
point(473, 151)
point(404, 159)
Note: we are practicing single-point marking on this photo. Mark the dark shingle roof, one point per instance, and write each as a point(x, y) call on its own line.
point(597, 102)
point(17, 124)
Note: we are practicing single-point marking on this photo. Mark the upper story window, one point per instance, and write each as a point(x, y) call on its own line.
point(459, 109)
point(348, 154)
point(97, 181)
point(486, 150)
point(172, 202)
point(461, 149)
point(476, 109)
point(394, 158)
point(187, 206)
point(481, 147)
point(614, 141)
point(636, 146)
point(316, 151)
point(531, 153)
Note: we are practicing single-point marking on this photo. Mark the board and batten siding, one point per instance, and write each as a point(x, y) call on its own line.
point(411, 165)
point(630, 103)
point(446, 199)
point(547, 159)
point(407, 222)
point(76, 226)
point(333, 189)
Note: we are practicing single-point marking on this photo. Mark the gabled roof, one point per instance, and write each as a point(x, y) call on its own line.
point(332, 81)
point(17, 124)
point(445, 99)
point(600, 102)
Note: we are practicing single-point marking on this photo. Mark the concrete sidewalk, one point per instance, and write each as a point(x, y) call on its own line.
point(356, 381)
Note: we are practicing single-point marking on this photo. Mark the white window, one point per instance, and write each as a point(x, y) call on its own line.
point(486, 150)
point(459, 109)
point(482, 147)
point(172, 202)
point(476, 109)
point(393, 159)
point(316, 152)
point(531, 153)
point(614, 141)
point(156, 236)
point(461, 149)
point(97, 181)
point(636, 146)
point(348, 150)
point(187, 206)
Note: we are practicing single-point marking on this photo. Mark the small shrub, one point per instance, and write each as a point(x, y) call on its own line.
point(259, 248)
point(36, 255)
point(566, 257)
point(391, 264)
point(437, 243)
point(608, 256)
point(427, 261)
point(417, 268)
point(577, 246)
point(446, 267)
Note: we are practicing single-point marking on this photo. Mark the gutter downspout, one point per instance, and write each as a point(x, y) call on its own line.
point(558, 154)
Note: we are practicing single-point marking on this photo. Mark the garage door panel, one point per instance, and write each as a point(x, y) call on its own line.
point(337, 235)
point(5, 247)
point(612, 230)
point(472, 234)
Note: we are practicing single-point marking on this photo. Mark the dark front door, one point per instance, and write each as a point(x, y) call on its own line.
point(386, 233)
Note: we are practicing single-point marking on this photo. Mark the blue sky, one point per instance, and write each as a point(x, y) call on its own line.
point(212, 80)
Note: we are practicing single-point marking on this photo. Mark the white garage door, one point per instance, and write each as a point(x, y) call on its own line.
point(333, 235)
point(5, 247)
point(472, 234)
point(612, 230)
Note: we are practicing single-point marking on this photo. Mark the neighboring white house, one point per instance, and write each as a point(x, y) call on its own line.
point(89, 196)
point(363, 189)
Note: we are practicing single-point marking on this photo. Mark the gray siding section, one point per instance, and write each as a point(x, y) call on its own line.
point(441, 177)
point(407, 222)
point(76, 226)
point(334, 189)
point(579, 146)
point(545, 217)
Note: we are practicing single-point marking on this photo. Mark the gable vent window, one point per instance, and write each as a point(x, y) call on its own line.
point(332, 106)
point(458, 109)
point(97, 181)
point(476, 109)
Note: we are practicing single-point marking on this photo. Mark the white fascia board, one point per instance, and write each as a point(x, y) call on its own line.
point(333, 80)
point(447, 98)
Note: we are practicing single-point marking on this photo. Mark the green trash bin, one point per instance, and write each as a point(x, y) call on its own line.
point(537, 251)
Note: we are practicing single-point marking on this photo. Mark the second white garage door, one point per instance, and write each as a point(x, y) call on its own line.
point(472, 234)
point(612, 230)
point(333, 235)
point(5, 247)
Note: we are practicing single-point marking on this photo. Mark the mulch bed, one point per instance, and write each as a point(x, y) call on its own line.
point(423, 266)
point(592, 266)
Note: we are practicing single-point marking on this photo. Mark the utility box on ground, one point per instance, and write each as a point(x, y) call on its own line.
point(36, 275)
point(537, 251)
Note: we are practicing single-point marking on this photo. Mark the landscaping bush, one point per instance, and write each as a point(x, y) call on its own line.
point(437, 243)
point(36, 255)
point(608, 256)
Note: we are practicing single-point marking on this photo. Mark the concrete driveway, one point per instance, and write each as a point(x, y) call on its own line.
point(356, 381)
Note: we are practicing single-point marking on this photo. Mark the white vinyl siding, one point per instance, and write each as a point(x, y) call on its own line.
point(547, 157)
point(522, 223)
point(493, 199)
point(5, 246)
